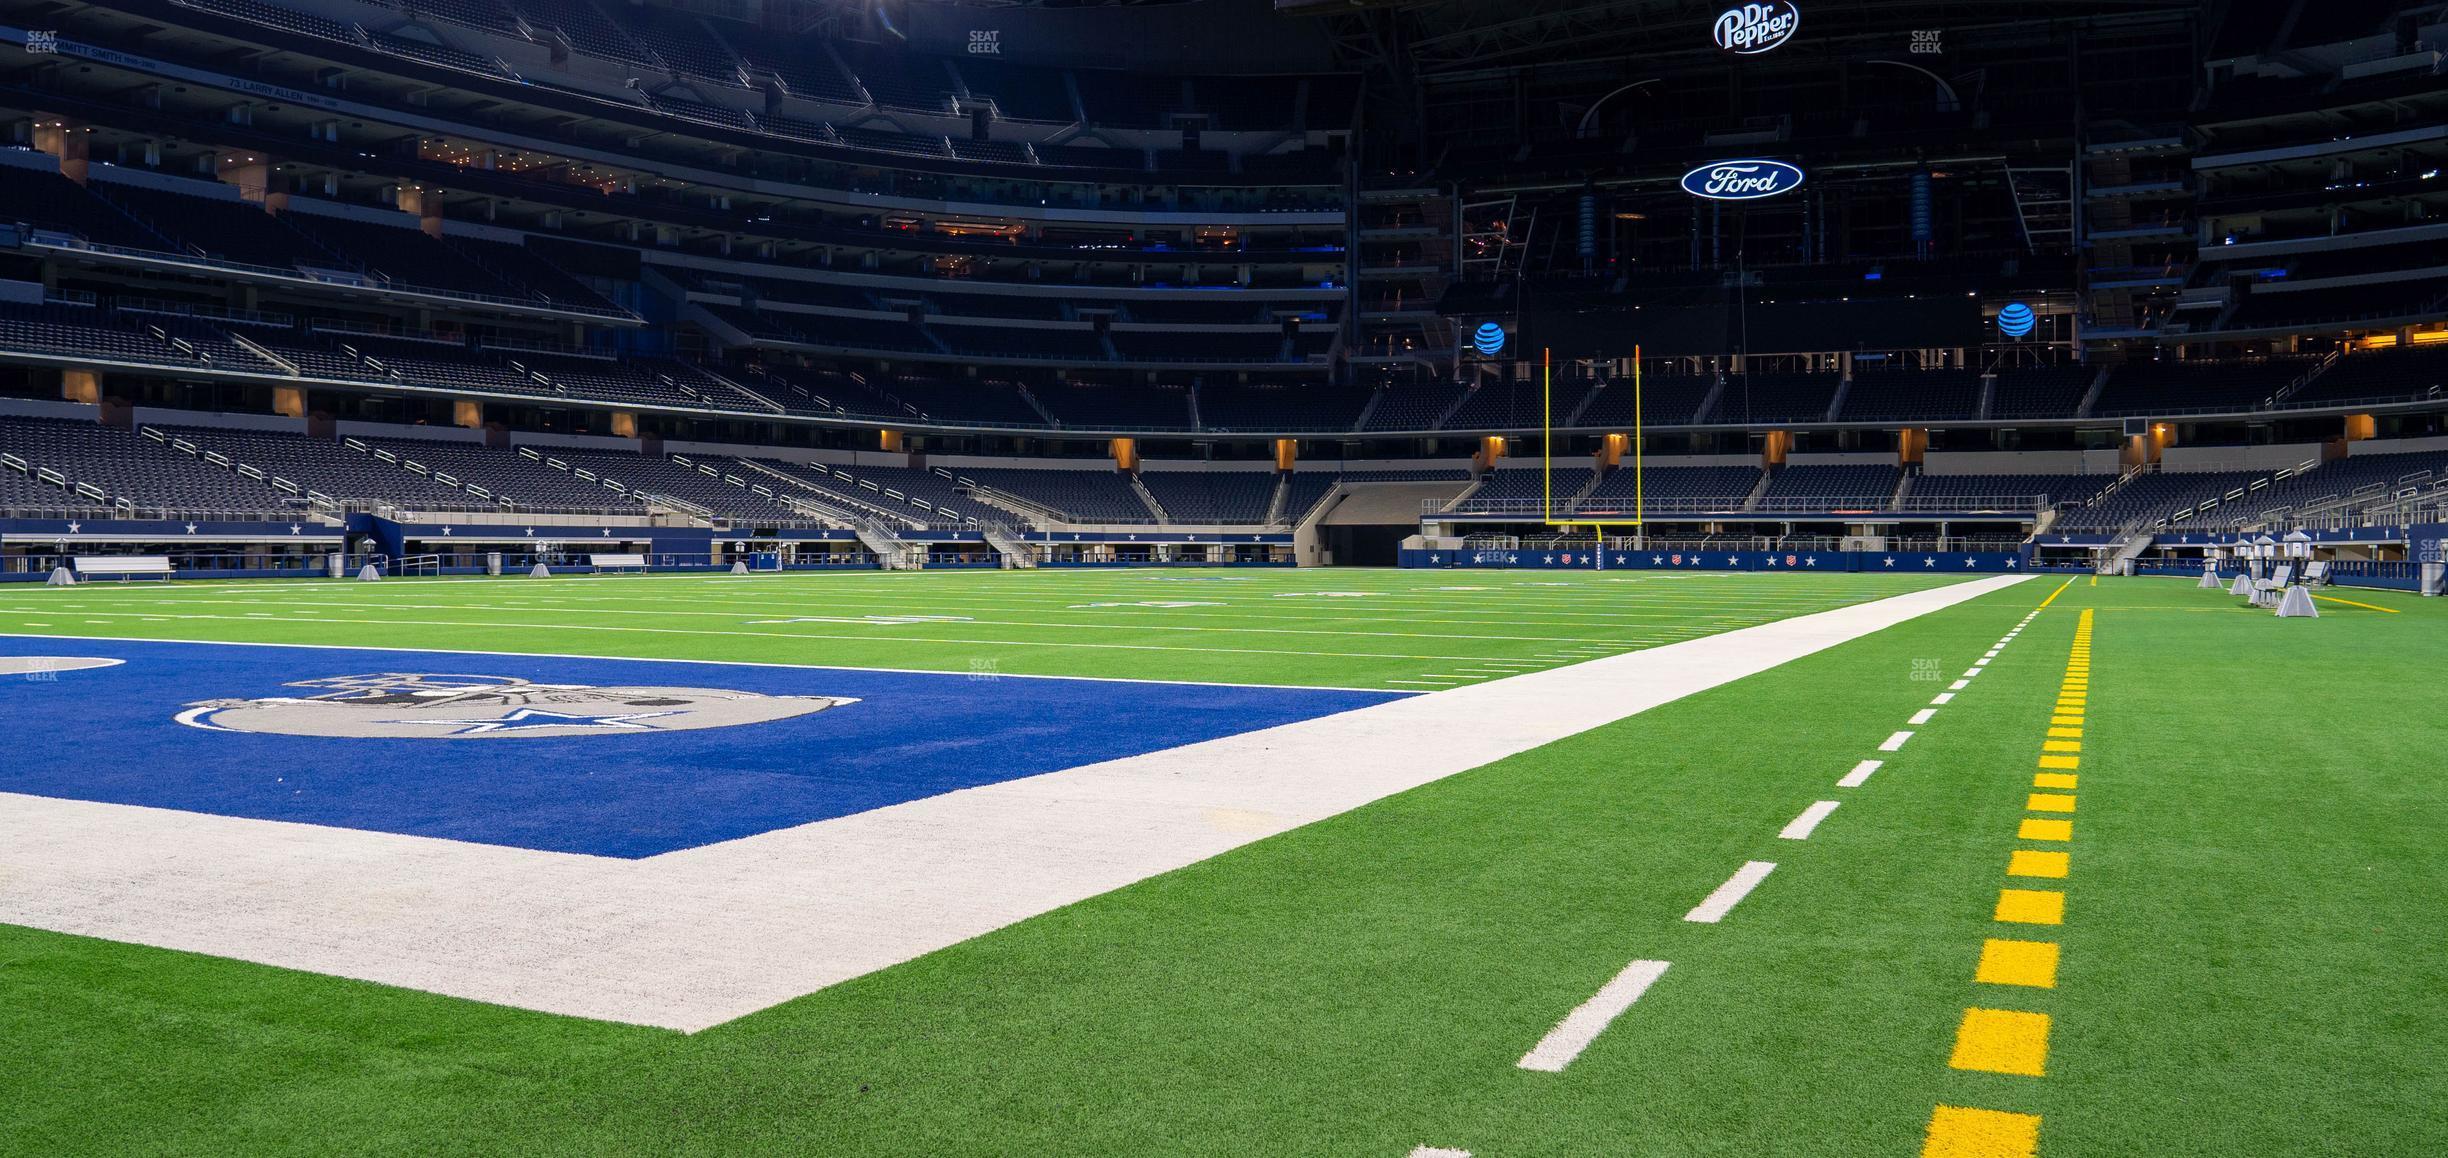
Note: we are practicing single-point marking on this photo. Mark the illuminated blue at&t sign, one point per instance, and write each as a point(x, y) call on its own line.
point(1743, 180)
point(1488, 339)
point(2016, 320)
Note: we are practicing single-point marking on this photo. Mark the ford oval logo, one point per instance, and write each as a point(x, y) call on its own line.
point(1751, 29)
point(1742, 180)
point(1488, 339)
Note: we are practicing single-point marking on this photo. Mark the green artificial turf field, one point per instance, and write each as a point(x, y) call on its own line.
point(1399, 630)
point(2247, 957)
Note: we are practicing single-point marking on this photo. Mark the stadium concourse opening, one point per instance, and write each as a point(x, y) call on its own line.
point(1223, 577)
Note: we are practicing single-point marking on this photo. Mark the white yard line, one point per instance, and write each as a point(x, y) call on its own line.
point(1922, 716)
point(699, 936)
point(1799, 828)
point(1714, 907)
point(1583, 1025)
point(1860, 774)
point(1894, 742)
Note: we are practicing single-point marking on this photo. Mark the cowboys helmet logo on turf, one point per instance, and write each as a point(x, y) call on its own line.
point(404, 705)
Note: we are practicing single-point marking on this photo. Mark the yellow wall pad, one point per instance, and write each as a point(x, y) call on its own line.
point(2048, 802)
point(2030, 963)
point(1958, 1132)
point(2031, 906)
point(2061, 761)
point(2002, 1041)
point(2034, 828)
point(2031, 863)
point(2055, 780)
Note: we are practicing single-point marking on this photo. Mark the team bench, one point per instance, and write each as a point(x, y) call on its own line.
point(123, 566)
point(611, 562)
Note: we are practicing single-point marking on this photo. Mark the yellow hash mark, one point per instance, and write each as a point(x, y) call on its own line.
point(2033, 863)
point(2072, 733)
point(2048, 802)
point(2347, 602)
point(2031, 906)
point(2052, 596)
point(2068, 719)
point(2061, 761)
point(2060, 746)
point(1959, 1132)
point(2054, 780)
point(2028, 963)
point(2002, 1041)
point(2034, 828)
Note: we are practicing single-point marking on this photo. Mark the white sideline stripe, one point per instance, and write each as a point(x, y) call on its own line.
point(1975, 671)
point(1894, 742)
point(1943, 698)
point(1583, 1025)
point(1716, 905)
point(1799, 828)
point(1922, 716)
point(697, 937)
point(1992, 653)
point(1981, 662)
point(1959, 685)
point(1860, 774)
point(1438, 1152)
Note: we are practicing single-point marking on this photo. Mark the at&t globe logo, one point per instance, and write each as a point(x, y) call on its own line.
point(1751, 29)
point(1742, 180)
point(2016, 320)
point(1488, 339)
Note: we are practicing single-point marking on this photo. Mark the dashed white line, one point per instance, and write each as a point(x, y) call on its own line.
point(1438, 1152)
point(1975, 670)
point(1716, 905)
point(1894, 741)
point(1860, 774)
point(1943, 698)
point(1959, 685)
point(1799, 828)
point(1922, 716)
point(1583, 1025)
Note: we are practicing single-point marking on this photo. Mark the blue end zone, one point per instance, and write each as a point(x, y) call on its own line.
point(622, 758)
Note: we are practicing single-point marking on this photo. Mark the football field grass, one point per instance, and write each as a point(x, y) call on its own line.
point(1395, 630)
point(2238, 821)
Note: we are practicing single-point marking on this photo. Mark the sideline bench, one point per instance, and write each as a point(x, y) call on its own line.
point(123, 566)
point(609, 562)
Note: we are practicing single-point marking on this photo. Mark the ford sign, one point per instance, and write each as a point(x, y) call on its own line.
point(1742, 180)
point(1751, 29)
point(1488, 339)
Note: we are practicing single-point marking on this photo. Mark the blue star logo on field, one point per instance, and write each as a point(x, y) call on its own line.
point(402, 705)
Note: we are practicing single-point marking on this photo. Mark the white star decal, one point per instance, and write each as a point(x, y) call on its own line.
point(446, 530)
point(1891, 560)
point(531, 531)
point(1654, 560)
point(295, 529)
point(191, 528)
point(72, 527)
point(1810, 560)
point(525, 718)
point(1929, 560)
